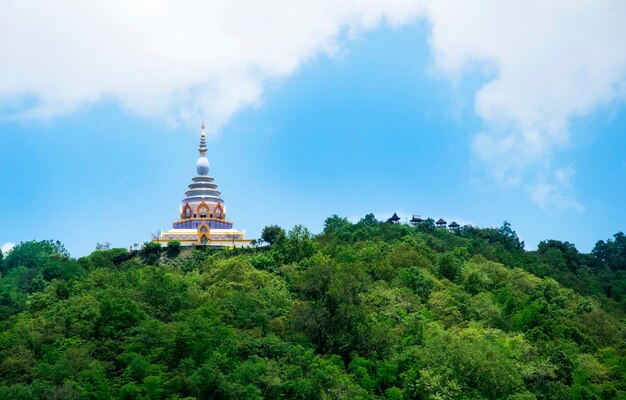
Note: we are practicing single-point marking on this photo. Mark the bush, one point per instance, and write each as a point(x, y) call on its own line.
point(108, 258)
point(173, 248)
point(150, 252)
point(264, 262)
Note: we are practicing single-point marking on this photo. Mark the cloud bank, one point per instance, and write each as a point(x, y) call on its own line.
point(543, 62)
point(176, 60)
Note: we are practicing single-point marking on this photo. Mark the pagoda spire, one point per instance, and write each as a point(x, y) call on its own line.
point(202, 165)
point(202, 149)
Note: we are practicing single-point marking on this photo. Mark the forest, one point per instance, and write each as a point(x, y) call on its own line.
point(366, 310)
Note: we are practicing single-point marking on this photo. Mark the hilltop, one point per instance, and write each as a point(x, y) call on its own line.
point(360, 311)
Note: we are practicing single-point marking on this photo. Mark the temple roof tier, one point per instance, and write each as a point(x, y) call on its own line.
point(202, 185)
point(203, 192)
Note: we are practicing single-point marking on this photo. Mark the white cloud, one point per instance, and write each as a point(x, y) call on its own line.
point(182, 61)
point(7, 247)
point(544, 62)
point(553, 189)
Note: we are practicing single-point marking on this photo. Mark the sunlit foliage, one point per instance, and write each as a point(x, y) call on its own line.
point(367, 310)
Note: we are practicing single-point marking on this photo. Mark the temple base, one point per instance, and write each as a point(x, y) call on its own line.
point(205, 237)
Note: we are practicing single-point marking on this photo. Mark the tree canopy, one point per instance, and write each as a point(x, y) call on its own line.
point(367, 310)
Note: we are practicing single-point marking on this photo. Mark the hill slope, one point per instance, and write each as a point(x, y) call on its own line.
point(366, 310)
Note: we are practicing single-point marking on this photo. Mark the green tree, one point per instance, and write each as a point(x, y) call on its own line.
point(297, 245)
point(450, 266)
point(111, 258)
point(103, 246)
point(612, 252)
point(264, 262)
point(427, 225)
point(335, 224)
point(150, 252)
point(272, 233)
point(164, 292)
point(117, 317)
point(334, 318)
point(33, 254)
point(369, 219)
point(419, 282)
point(511, 240)
point(471, 363)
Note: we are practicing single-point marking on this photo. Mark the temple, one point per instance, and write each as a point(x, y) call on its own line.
point(203, 213)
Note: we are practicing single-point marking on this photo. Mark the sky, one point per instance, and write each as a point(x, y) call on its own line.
point(475, 112)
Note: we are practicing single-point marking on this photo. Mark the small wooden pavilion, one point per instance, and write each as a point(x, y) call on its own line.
point(394, 218)
point(415, 219)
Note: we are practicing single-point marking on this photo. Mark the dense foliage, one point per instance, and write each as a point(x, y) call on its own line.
point(365, 310)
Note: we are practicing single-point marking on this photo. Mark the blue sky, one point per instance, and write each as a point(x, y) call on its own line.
point(370, 122)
